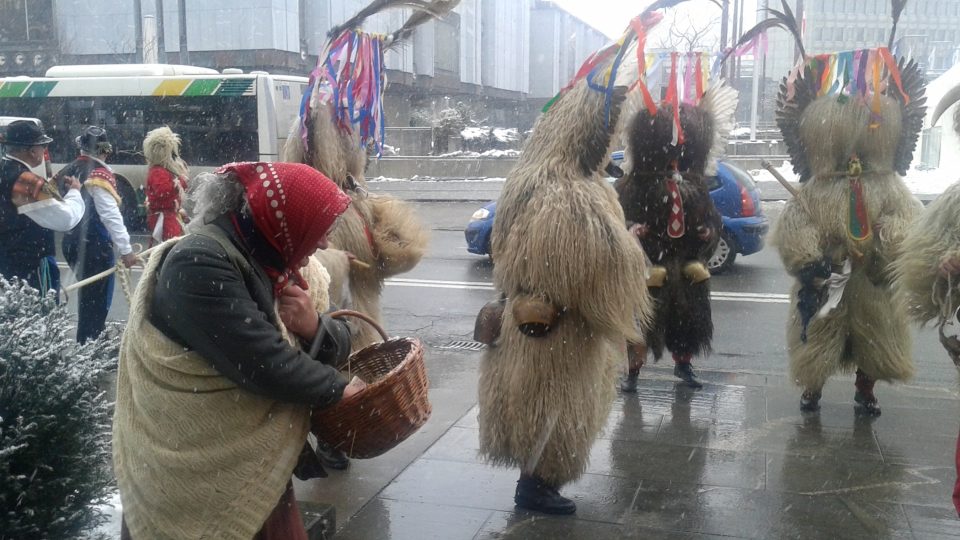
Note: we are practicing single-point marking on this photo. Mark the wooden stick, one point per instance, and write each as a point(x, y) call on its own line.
point(776, 174)
point(101, 275)
point(359, 264)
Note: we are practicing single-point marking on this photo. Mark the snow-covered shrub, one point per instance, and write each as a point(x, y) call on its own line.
point(54, 419)
point(484, 139)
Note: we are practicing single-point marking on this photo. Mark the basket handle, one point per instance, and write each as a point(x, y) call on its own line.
point(363, 317)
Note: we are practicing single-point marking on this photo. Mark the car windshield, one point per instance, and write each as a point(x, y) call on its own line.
point(459, 269)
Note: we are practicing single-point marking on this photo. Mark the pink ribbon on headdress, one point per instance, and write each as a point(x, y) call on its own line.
point(672, 98)
point(689, 87)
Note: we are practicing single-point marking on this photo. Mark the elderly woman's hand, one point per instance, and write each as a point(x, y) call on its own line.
point(297, 312)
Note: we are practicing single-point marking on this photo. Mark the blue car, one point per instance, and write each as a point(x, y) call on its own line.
point(733, 192)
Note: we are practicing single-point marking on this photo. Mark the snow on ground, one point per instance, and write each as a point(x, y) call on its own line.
point(473, 133)
point(506, 134)
point(488, 153)
point(929, 182)
point(919, 182)
point(114, 513)
point(418, 178)
point(785, 170)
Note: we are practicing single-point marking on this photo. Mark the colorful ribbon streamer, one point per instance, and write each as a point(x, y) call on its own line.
point(350, 77)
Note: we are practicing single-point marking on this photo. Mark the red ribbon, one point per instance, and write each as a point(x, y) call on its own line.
point(675, 223)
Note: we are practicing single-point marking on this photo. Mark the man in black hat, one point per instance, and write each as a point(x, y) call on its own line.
point(89, 248)
point(31, 208)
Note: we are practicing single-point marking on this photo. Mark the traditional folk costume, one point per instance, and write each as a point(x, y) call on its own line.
point(670, 150)
point(31, 209)
point(89, 247)
point(165, 185)
point(850, 121)
point(927, 272)
point(213, 395)
point(566, 269)
point(341, 120)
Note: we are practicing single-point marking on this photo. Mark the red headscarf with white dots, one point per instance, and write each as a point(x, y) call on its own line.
point(293, 207)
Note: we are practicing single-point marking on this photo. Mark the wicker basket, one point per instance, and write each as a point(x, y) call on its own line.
point(392, 407)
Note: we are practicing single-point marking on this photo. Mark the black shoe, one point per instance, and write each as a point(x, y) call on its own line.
point(628, 383)
point(308, 465)
point(331, 457)
point(866, 406)
point(686, 373)
point(534, 494)
point(810, 401)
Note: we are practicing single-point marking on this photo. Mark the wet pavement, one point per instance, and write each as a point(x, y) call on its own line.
point(736, 459)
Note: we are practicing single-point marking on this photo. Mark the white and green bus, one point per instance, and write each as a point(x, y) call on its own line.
point(221, 117)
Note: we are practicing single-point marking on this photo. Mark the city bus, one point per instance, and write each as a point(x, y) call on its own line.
point(221, 117)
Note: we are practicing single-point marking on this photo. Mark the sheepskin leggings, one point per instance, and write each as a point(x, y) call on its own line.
point(284, 523)
point(637, 354)
point(865, 384)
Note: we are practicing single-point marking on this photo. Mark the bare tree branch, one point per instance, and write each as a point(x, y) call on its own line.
point(684, 35)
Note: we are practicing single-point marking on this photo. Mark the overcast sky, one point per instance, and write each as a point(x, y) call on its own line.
point(612, 16)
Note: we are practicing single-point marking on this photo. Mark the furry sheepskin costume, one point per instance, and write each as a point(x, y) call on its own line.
point(655, 169)
point(849, 219)
point(927, 271)
point(926, 292)
point(850, 121)
point(560, 243)
point(379, 236)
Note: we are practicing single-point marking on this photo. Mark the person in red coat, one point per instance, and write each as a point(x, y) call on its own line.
point(166, 183)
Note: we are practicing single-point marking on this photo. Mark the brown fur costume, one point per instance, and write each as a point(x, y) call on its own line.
point(867, 330)
point(383, 233)
point(559, 237)
point(682, 320)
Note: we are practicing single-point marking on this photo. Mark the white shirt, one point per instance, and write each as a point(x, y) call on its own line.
point(110, 214)
point(60, 216)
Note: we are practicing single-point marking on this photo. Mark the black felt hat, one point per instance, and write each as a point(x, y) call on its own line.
point(25, 133)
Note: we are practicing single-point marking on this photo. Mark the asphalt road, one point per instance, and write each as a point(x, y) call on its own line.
point(439, 299)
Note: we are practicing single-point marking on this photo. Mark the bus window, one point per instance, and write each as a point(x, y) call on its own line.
point(215, 129)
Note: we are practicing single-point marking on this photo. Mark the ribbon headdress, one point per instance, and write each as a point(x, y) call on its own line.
point(863, 74)
point(350, 75)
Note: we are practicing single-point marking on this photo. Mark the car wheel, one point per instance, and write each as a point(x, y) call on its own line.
point(725, 254)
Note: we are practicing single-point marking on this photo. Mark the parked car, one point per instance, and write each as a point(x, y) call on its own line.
point(733, 191)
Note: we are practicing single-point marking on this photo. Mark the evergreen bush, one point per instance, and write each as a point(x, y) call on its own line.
point(54, 419)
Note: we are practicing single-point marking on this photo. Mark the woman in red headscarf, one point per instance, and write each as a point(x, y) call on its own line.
point(225, 353)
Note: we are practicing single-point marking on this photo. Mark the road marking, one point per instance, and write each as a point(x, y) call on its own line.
point(761, 298)
point(722, 296)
